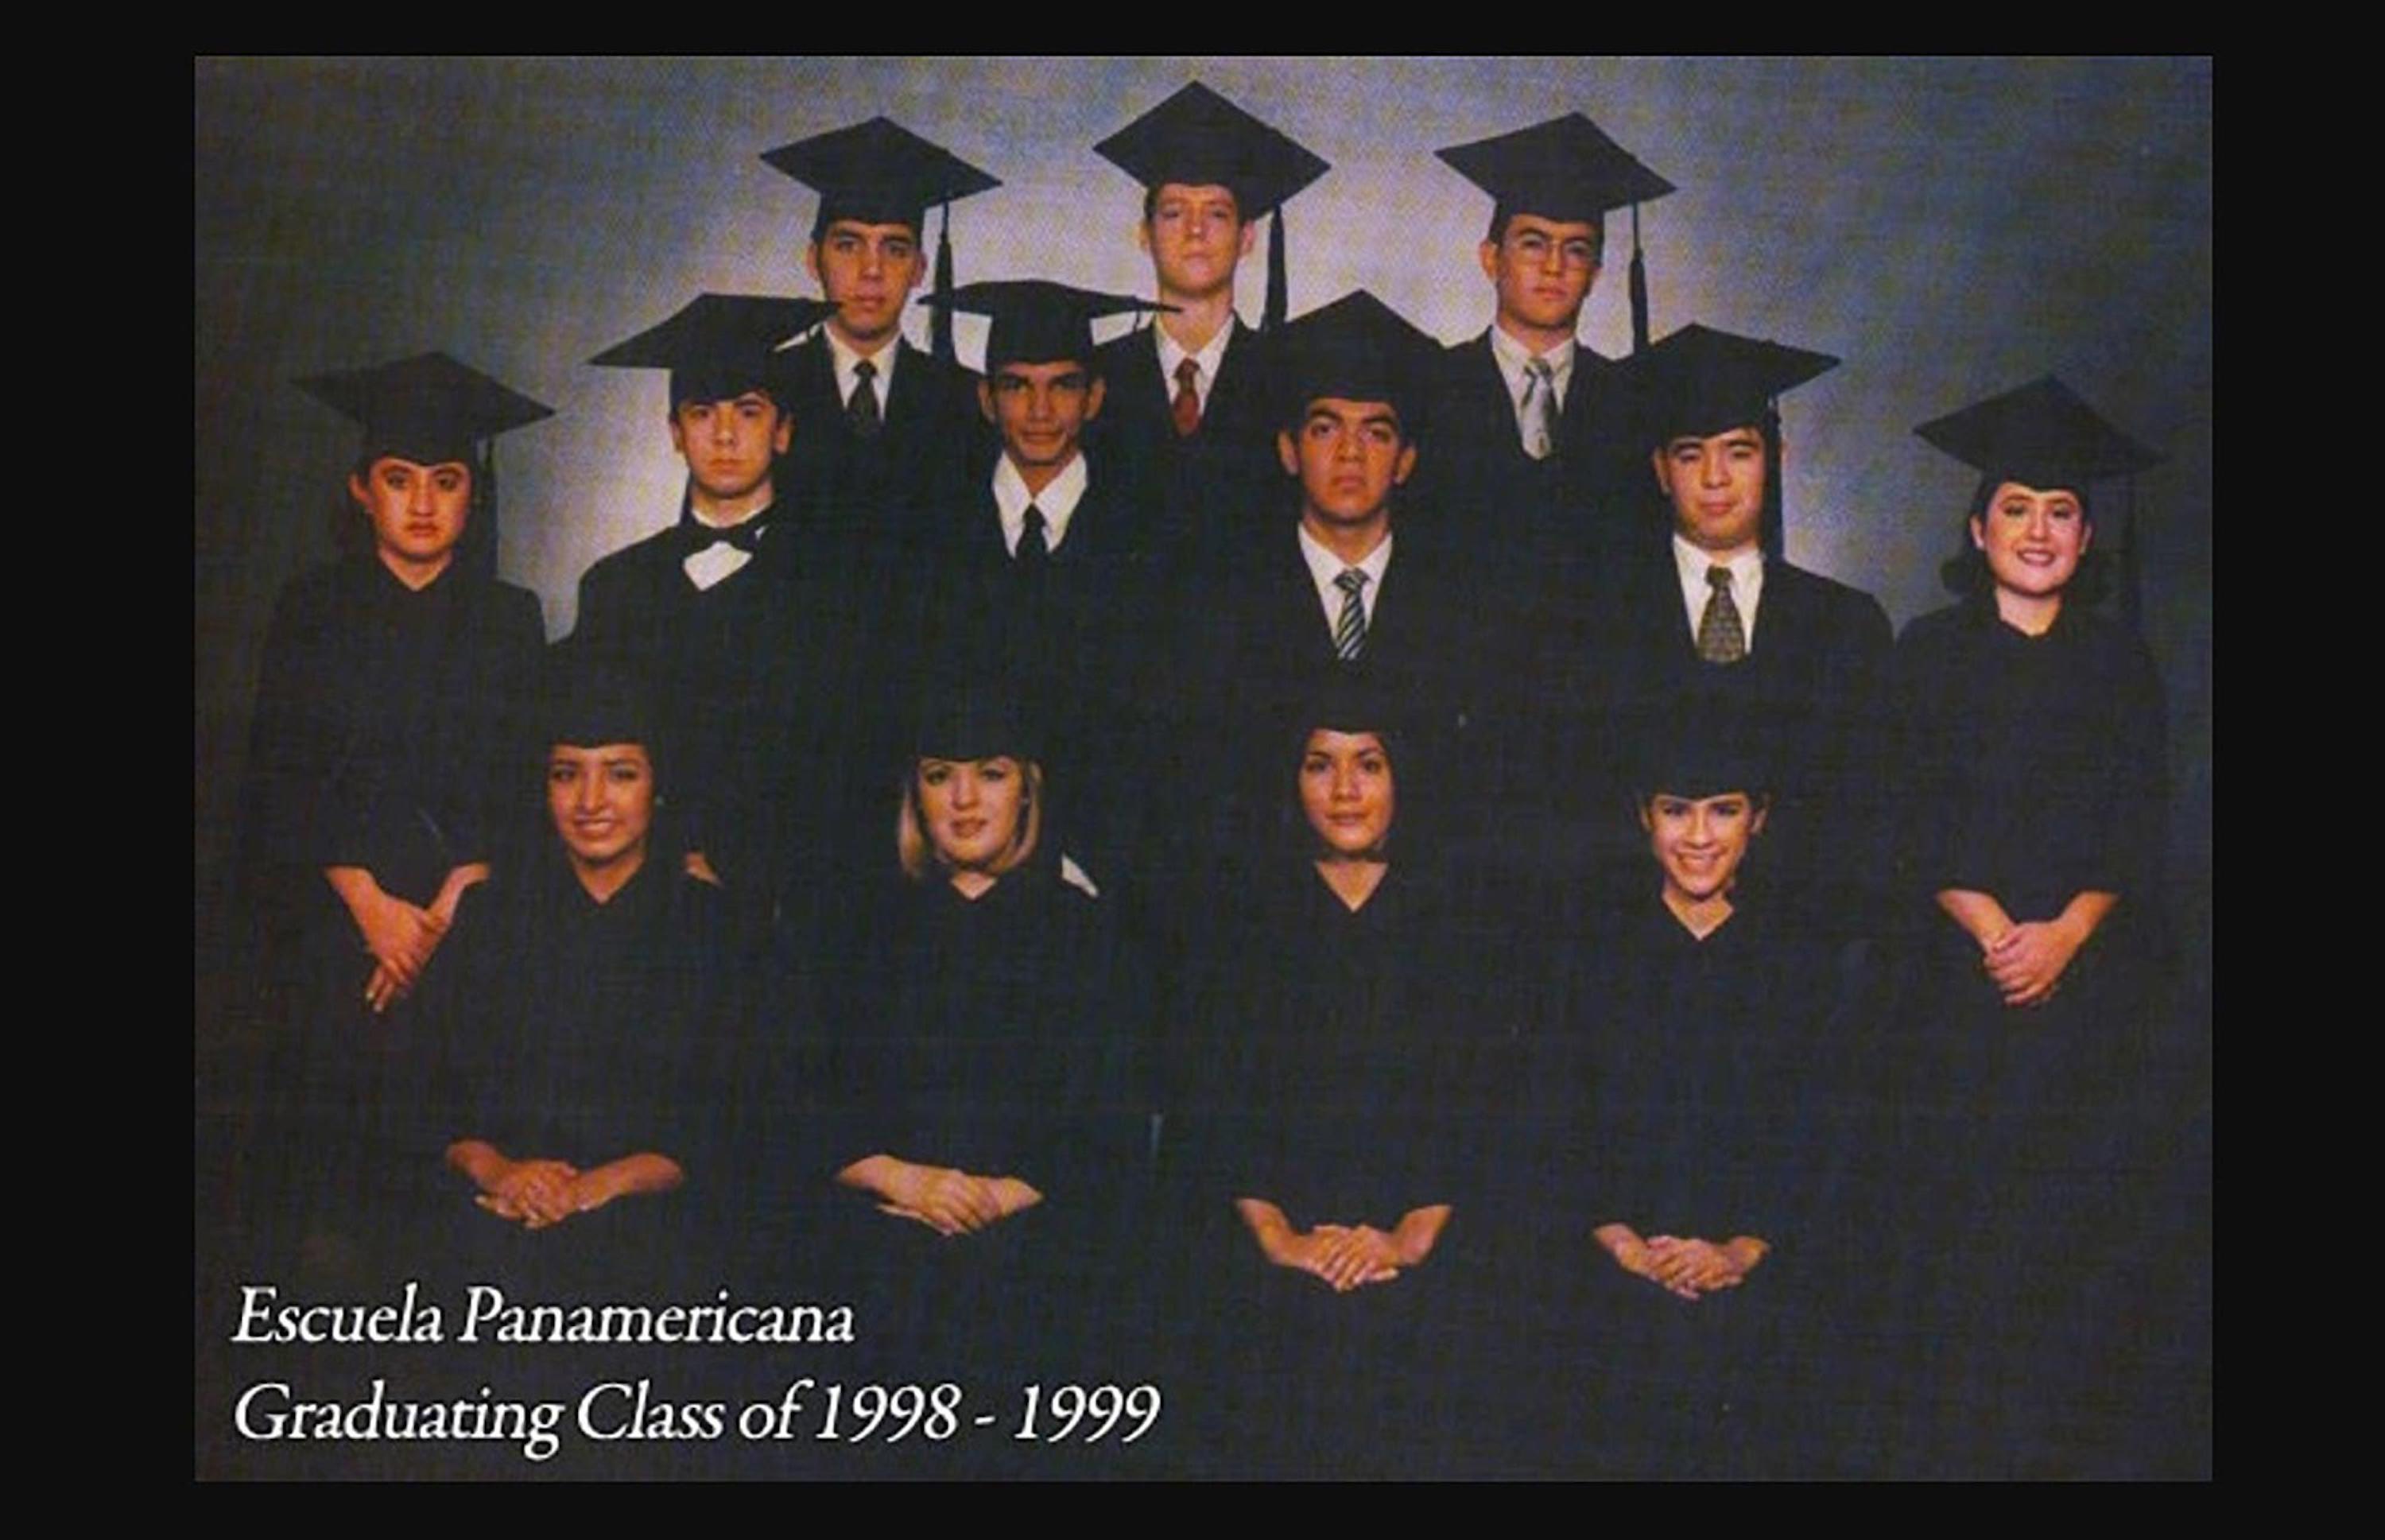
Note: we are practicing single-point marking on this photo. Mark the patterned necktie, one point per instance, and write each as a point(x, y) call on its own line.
point(1722, 638)
point(861, 407)
point(1187, 405)
point(1536, 419)
point(1350, 629)
point(1034, 544)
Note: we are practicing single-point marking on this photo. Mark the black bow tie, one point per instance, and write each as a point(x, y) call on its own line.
point(696, 535)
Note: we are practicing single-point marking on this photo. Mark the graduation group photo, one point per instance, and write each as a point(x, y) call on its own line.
point(1203, 769)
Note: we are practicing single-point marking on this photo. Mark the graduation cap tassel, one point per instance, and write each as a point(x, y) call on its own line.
point(1775, 538)
point(1279, 294)
point(939, 330)
point(2130, 610)
point(485, 478)
point(1639, 288)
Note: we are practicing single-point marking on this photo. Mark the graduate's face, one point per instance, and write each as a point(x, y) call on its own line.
point(972, 809)
point(602, 800)
point(728, 446)
point(1716, 487)
point(1196, 236)
point(1542, 270)
point(1042, 410)
point(1348, 793)
point(1349, 456)
point(867, 272)
point(418, 511)
point(2033, 538)
point(1700, 841)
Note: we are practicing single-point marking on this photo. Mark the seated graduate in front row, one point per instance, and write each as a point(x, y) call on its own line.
point(1347, 1133)
point(596, 1025)
point(990, 1134)
point(1704, 1137)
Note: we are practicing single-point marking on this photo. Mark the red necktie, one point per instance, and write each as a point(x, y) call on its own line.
point(1187, 405)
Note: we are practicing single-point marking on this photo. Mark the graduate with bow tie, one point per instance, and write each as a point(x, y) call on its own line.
point(735, 613)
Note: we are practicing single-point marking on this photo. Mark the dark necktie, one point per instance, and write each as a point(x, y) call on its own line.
point(1721, 637)
point(1187, 405)
point(1034, 546)
point(1350, 629)
point(861, 407)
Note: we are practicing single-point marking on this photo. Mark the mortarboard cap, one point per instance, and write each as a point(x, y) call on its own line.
point(719, 347)
point(1566, 169)
point(1037, 321)
point(877, 172)
point(429, 408)
point(971, 721)
point(1199, 139)
point(1702, 741)
point(1700, 381)
point(2042, 435)
point(1358, 349)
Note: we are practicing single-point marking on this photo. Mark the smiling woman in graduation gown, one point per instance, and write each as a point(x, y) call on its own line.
point(1348, 1127)
point(1705, 1138)
point(2034, 752)
point(990, 1140)
point(387, 731)
point(594, 1021)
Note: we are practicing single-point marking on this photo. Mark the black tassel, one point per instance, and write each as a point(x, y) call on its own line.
point(484, 478)
point(1639, 288)
point(1279, 294)
point(939, 330)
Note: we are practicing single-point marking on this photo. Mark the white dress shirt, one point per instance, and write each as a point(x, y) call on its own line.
point(1512, 356)
point(1057, 502)
point(1211, 359)
point(844, 358)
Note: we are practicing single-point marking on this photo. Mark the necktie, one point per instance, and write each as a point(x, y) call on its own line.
point(1350, 629)
point(1536, 418)
point(1034, 543)
point(1722, 638)
point(861, 407)
point(1187, 405)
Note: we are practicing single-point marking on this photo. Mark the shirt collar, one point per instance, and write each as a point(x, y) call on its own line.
point(1211, 358)
point(1324, 566)
point(1057, 502)
point(1746, 581)
point(1512, 356)
point(843, 355)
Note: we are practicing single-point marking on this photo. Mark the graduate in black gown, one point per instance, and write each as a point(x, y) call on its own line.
point(388, 729)
point(991, 1140)
point(763, 647)
point(1349, 1131)
point(1056, 570)
point(593, 1023)
point(887, 428)
point(2033, 758)
point(1535, 475)
point(1707, 1135)
point(1192, 411)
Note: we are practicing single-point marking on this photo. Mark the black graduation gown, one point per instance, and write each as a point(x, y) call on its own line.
point(1355, 1066)
point(774, 687)
point(1704, 1081)
point(1078, 641)
point(998, 1036)
point(586, 1032)
point(1814, 681)
point(389, 735)
point(871, 495)
point(2034, 771)
point(1219, 490)
point(1565, 514)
